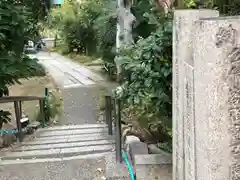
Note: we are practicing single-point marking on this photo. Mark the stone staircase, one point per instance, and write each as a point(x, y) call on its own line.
point(78, 146)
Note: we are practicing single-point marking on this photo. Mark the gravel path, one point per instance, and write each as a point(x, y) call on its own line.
point(80, 105)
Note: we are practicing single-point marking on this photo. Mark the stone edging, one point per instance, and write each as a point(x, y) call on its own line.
point(140, 159)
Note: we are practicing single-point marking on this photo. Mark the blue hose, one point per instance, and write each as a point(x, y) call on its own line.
point(130, 169)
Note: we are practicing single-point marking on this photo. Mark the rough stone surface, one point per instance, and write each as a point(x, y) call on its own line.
point(153, 166)
point(154, 172)
point(183, 101)
point(217, 83)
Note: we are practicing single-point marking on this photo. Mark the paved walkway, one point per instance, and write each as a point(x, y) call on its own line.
point(80, 88)
point(79, 149)
point(66, 73)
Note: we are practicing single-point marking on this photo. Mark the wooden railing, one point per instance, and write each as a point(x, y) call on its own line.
point(17, 100)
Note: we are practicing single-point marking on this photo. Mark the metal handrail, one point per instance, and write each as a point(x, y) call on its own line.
point(108, 114)
point(113, 109)
point(118, 131)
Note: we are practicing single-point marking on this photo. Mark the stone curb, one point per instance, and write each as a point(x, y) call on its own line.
point(140, 158)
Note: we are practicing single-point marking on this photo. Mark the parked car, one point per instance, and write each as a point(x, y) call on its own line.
point(33, 48)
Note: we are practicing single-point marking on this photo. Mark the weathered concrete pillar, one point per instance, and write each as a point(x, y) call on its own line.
point(183, 100)
point(217, 98)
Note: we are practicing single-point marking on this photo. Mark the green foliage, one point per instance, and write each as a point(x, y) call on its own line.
point(105, 27)
point(147, 78)
point(225, 7)
point(52, 106)
point(75, 23)
point(146, 87)
point(17, 26)
point(233, 7)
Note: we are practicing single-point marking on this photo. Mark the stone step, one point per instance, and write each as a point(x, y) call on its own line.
point(77, 167)
point(149, 166)
point(69, 139)
point(69, 127)
point(72, 132)
point(64, 145)
point(57, 152)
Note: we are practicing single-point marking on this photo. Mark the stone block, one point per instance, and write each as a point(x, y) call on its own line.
point(217, 97)
point(153, 159)
point(137, 148)
point(153, 166)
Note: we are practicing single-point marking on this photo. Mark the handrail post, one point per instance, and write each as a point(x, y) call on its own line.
point(108, 114)
point(20, 108)
point(42, 113)
point(114, 111)
point(118, 132)
point(46, 94)
point(19, 126)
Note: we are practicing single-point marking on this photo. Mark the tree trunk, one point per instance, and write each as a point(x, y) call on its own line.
point(124, 30)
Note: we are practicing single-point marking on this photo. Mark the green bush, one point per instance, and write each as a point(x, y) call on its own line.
point(53, 107)
point(75, 22)
point(147, 79)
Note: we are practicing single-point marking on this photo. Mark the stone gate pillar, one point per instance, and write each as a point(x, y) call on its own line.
point(184, 165)
point(217, 98)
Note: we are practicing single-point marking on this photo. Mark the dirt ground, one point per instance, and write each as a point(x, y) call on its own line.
point(30, 87)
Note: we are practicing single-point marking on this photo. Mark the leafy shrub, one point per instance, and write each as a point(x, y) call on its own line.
point(105, 27)
point(147, 79)
point(75, 23)
point(53, 107)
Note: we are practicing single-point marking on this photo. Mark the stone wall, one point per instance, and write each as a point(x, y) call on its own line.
point(206, 96)
point(183, 100)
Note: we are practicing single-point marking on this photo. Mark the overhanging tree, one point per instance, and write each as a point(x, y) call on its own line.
point(18, 24)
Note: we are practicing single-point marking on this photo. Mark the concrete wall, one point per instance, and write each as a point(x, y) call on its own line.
point(206, 96)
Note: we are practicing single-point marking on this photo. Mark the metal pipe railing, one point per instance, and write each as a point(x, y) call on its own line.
point(118, 131)
point(113, 109)
point(108, 114)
